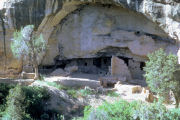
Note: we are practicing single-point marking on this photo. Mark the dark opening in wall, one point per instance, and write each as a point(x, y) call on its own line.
point(142, 65)
point(97, 62)
point(125, 59)
point(110, 85)
point(100, 65)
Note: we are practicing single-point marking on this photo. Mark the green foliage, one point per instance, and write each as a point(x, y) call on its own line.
point(4, 91)
point(123, 110)
point(86, 92)
point(73, 92)
point(25, 103)
point(53, 84)
point(156, 111)
point(15, 109)
point(120, 110)
point(160, 71)
point(35, 100)
point(25, 43)
point(112, 94)
point(173, 114)
point(98, 115)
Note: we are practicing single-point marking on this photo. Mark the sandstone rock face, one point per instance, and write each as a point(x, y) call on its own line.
point(85, 28)
point(92, 30)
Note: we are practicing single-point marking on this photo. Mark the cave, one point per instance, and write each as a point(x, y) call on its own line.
point(100, 66)
point(89, 37)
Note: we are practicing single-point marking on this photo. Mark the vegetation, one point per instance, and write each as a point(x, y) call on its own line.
point(160, 74)
point(112, 94)
point(4, 91)
point(123, 110)
point(26, 45)
point(35, 99)
point(73, 92)
point(15, 109)
point(25, 103)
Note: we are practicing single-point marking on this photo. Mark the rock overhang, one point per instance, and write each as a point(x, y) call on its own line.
point(47, 15)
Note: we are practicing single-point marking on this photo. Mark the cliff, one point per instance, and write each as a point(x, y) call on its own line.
point(91, 28)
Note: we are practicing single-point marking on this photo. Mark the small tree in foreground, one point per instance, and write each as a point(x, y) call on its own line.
point(15, 109)
point(161, 70)
point(26, 45)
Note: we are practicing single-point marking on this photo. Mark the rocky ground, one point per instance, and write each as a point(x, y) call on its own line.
point(80, 90)
point(71, 101)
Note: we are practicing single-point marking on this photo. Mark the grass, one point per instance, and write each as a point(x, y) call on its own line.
point(112, 94)
point(74, 92)
point(53, 84)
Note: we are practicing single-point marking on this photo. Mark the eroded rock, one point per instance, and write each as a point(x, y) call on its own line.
point(74, 29)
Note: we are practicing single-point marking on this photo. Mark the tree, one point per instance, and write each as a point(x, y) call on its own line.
point(15, 109)
point(161, 70)
point(27, 45)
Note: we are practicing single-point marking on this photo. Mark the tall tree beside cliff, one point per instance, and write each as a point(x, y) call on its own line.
point(26, 45)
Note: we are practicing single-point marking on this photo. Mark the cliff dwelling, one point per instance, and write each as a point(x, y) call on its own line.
point(89, 59)
point(92, 34)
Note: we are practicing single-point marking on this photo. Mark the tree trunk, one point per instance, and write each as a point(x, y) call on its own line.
point(177, 100)
point(36, 72)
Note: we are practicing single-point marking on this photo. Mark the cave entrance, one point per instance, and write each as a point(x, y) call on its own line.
point(98, 65)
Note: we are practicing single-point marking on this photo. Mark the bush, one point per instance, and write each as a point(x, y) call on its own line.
point(15, 109)
point(123, 110)
point(35, 98)
point(173, 114)
point(160, 74)
point(98, 115)
point(4, 91)
point(156, 111)
point(25, 103)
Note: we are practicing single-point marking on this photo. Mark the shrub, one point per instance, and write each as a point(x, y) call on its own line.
point(4, 91)
point(160, 70)
point(15, 109)
point(24, 103)
point(112, 94)
point(173, 114)
point(35, 100)
point(98, 115)
point(156, 111)
point(121, 110)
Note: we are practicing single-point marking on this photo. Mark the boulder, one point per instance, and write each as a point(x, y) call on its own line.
point(137, 89)
point(71, 69)
point(59, 72)
point(74, 82)
point(61, 102)
point(110, 81)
